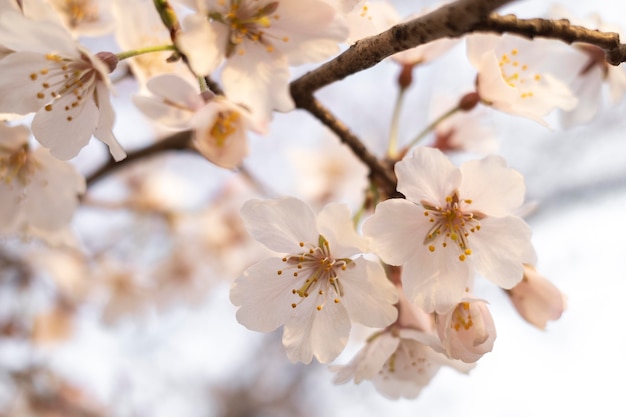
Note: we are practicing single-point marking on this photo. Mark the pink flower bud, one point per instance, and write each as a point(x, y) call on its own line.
point(536, 299)
point(467, 332)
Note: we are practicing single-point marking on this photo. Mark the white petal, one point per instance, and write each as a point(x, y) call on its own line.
point(335, 224)
point(322, 333)
point(168, 115)
point(436, 281)
point(264, 296)
point(396, 229)
point(66, 138)
point(259, 80)
point(494, 189)
point(203, 43)
point(176, 90)
point(369, 297)
point(20, 33)
point(427, 175)
point(18, 92)
point(500, 248)
point(280, 224)
point(106, 118)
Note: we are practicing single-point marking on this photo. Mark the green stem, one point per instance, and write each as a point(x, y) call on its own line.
point(129, 54)
point(432, 126)
point(392, 149)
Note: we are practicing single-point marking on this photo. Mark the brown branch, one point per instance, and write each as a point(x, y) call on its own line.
point(562, 29)
point(379, 173)
point(180, 141)
point(452, 20)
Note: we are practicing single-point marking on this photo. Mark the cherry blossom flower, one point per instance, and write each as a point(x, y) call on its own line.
point(318, 287)
point(219, 125)
point(454, 222)
point(67, 87)
point(467, 332)
point(138, 25)
point(259, 40)
point(514, 75)
point(402, 359)
point(39, 192)
point(592, 71)
point(536, 299)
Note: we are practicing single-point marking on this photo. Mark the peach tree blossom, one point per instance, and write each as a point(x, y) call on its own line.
point(318, 287)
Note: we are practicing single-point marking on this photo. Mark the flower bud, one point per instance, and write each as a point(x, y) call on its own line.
point(536, 299)
point(467, 332)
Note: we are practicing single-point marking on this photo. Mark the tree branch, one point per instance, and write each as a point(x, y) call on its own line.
point(180, 141)
point(562, 29)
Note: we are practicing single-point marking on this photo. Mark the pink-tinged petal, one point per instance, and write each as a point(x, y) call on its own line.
point(203, 43)
point(280, 224)
point(321, 333)
point(536, 299)
point(264, 297)
point(20, 33)
point(168, 115)
point(369, 361)
point(52, 193)
point(477, 45)
point(18, 91)
point(493, 188)
point(334, 222)
point(588, 89)
point(175, 90)
point(616, 78)
point(500, 248)
point(308, 37)
point(227, 151)
point(259, 80)
point(491, 84)
point(436, 281)
point(65, 138)
point(10, 207)
point(106, 118)
point(395, 229)
point(427, 175)
point(369, 295)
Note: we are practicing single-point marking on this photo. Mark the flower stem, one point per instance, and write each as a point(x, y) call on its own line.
point(392, 148)
point(431, 127)
point(129, 54)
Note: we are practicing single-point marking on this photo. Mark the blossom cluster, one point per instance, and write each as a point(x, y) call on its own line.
point(406, 266)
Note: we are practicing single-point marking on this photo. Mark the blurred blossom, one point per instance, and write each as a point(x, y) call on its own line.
point(593, 72)
point(85, 17)
point(328, 173)
point(536, 299)
point(220, 126)
point(39, 192)
point(369, 18)
point(320, 285)
point(514, 75)
point(464, 131)
point(138, 25)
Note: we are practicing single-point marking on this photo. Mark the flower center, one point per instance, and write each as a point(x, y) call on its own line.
point(224, 126)
point(17, 165)
point(247, 21)
point(517, 75)
point(451, 223)
point(79, 11)
point(61, 77)
point(462, 317)
point(319, 270)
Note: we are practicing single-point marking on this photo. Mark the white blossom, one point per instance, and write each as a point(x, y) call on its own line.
point(66, 86)
point(318, 287)
point(454, 222)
